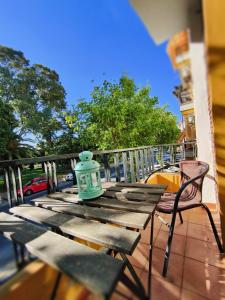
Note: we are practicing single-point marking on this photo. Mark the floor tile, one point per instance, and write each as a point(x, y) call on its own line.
point(140, 256)
point(180, 228)
point(161, 289)
point(120, 288)
point(218, 228)
point(186, 214)
point(199, 216)
point(205, 252)
point(203, 279)
point(168, 217)
point(174, 274)
point(187, 295)
point(157, 223)
point(145, 235)
point(178, 244)
point(201, 232)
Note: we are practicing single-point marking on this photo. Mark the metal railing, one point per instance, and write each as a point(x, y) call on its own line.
point(128, 165)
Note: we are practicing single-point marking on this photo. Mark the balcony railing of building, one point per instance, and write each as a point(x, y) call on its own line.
point(127, 165)
point(185, 97)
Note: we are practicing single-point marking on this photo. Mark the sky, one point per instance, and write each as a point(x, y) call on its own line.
point(86, 41)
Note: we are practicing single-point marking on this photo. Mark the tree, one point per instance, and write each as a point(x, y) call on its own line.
point(34, 92)
point(12, 144)
point(120, 115)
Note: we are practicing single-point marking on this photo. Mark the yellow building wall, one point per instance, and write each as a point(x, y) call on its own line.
point(214, 28)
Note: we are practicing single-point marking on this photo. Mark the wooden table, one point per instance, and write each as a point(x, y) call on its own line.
point(131, 206)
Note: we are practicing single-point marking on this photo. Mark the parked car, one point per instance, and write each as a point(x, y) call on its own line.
point(69, 177)
point(33, 186)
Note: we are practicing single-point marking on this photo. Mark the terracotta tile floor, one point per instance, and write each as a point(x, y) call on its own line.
point(196, 269)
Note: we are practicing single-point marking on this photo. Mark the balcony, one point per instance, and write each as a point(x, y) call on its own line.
point(196, 269)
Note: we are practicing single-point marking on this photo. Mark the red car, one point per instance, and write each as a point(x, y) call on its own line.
point(35, 185)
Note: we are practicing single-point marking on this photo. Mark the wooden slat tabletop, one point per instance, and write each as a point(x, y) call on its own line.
point(138, 197)
point(141, 185)
point(73, 198)
point(122, 205)
point(151, 189)
point(97, 271)
point(112, 194)
point(112, 237)
point(129, 189)
point(108, 202)
point(71, 190)
point(124, 218)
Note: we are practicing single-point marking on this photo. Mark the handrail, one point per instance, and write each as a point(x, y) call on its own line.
point(26, 161)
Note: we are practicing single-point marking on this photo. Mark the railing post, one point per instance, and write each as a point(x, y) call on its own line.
point(55, 180)
point(47, 177)
point(9, 194)
point(14, 186)
point(106, 167)
point(151, 158)
point(124, 157)
point(174, 154)
point(161, 157)
point(132, 174)
point(50, 178)
point(117, 166)
point(73, 165)
point(137, 165)
point(20, 184)
point(147, 169)
point(142, 163)
point(171, 154)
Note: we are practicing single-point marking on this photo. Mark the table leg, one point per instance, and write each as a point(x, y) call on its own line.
point(16, 254)
point(134, 275)
point(56, 285)
point(150, 256)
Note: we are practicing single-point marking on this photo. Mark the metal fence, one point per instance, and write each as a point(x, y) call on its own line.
point(128, 165)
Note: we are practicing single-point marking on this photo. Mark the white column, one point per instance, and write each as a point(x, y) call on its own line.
point(202, 117)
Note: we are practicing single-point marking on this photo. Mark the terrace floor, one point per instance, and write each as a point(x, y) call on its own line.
point(196, 269)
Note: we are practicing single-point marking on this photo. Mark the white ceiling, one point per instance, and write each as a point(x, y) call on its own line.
point(164, 18)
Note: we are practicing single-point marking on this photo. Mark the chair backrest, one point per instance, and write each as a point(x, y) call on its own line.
point(190, 169)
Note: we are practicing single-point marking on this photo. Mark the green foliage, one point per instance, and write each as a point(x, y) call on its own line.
point(120, 115)
point(11, 143)
point(8, 124)
point(34, 92)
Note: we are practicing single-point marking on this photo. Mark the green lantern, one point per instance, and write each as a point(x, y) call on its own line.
point(88, 177)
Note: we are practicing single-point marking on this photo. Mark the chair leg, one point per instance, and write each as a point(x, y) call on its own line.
point(214, 229)
point(181, 219)
point(169, 245)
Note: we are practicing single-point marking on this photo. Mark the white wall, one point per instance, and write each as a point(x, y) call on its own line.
point(202, 117)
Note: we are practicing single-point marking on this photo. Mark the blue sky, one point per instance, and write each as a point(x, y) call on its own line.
point(85, 40)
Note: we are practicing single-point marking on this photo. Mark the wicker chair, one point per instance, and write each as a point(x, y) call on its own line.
point(188, 196)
